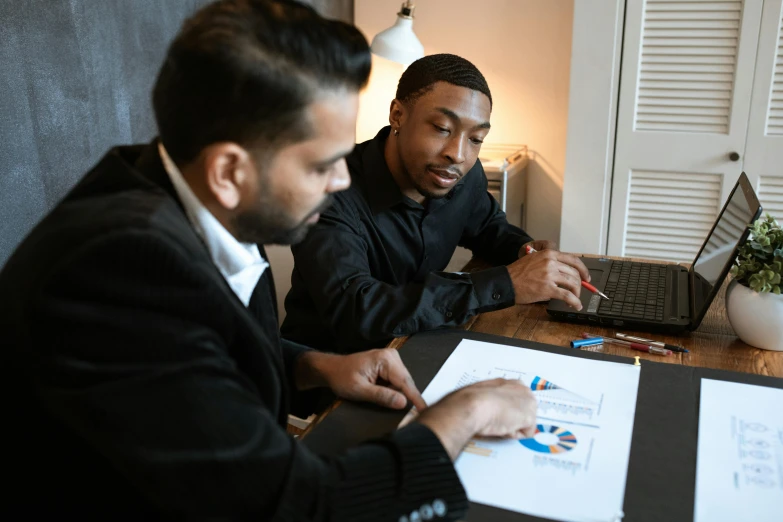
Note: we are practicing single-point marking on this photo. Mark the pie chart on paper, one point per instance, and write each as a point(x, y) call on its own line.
point(550, 439)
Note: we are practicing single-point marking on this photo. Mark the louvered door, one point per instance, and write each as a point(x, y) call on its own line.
point(687, 75)
point(764, 150)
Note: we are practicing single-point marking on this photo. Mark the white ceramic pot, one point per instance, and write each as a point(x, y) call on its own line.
point(756, 318)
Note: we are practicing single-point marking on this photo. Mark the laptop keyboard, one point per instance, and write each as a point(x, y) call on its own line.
point(635, 290)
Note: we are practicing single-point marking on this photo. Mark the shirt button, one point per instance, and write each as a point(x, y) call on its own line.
point(439, 507)
point(496, 296)
point(448, 313)
point(426, 512)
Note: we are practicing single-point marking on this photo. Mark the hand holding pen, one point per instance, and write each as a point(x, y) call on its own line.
point(548, 275)
point(587, 286)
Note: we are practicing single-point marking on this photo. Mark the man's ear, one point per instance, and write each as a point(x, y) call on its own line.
point(230, 172)
point(397, 115)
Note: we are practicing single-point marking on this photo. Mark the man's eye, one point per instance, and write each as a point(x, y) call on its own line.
point(440, 129)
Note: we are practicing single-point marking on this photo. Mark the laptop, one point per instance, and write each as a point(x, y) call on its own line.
point(666, 298)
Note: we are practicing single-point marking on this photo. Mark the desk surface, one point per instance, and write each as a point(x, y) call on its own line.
point(713, 345)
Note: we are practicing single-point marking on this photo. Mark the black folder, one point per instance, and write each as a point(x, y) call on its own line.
point(661, 477)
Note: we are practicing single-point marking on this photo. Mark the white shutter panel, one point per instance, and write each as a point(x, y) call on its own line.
point(771, 196)
point(688, 60)
point(764, 152)
point(775, 112)
point(670, 214)
point(684, 103)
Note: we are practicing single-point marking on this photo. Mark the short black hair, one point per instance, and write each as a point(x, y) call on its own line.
point(421, 76)
point(245, 70)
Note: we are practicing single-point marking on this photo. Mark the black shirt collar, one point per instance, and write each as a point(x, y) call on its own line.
point(381, 188)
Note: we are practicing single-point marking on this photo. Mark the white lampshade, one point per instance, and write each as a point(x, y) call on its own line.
point(398, 43)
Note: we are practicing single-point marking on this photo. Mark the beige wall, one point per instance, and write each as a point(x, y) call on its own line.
point(523, 47)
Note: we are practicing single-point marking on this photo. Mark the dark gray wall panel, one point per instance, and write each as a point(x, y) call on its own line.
point(75, 80)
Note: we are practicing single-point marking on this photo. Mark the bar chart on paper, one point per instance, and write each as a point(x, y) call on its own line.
point(582, 437)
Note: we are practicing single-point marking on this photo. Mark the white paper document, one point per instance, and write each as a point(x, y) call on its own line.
point(739, 462)
point(574, 468)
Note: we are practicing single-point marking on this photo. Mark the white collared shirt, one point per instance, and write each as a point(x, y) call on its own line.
point(240, 263)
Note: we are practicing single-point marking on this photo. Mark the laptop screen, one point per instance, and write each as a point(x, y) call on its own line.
point(719, 250)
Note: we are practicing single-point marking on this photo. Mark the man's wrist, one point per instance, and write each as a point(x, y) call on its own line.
point(312, 369)
point(455, 420)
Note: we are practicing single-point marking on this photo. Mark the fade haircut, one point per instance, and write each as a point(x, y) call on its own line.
point(244, 71)
point(422, 75)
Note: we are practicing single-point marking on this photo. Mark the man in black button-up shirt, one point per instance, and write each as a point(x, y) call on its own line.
point(371, 269)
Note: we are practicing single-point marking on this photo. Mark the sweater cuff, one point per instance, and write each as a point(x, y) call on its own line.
point(494, 289)
point(408, 472)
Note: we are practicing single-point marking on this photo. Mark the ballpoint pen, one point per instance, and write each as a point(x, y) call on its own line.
point(587, 286)
point(659, 344)
point(633, 346)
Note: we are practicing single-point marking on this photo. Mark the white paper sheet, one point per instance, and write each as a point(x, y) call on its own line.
point(739, 467)
point(575, 469)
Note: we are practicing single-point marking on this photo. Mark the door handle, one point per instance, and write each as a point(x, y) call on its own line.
point(734, 156)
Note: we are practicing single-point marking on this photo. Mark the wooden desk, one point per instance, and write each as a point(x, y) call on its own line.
point(712, 345)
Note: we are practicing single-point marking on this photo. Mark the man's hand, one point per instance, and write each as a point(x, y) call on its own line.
point(539, 244)
point(548, 275)
point(497, 408)
point(509, 409)
point(377, 376)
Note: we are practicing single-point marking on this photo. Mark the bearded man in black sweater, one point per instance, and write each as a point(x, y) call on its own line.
point(145, 374)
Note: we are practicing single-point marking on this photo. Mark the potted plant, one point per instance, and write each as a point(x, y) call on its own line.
point(754, 302)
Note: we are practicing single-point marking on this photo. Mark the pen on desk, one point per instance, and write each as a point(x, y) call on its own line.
point(586, 341)
point(659, 344)
point(628, 344)
point(587, 286)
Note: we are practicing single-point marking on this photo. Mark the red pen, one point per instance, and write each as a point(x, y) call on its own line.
point(633, 346)
point(587, 286)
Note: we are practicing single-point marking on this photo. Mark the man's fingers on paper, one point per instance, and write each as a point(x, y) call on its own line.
point(526, 433)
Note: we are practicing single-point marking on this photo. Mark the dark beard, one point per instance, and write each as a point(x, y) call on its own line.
point(426, 193)
point(430, 195)
point(268, 225)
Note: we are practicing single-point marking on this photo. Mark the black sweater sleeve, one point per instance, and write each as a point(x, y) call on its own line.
point(134, 361)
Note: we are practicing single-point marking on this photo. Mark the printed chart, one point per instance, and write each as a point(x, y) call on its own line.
point(550, 439)
point(739, 466)
point(582, 440)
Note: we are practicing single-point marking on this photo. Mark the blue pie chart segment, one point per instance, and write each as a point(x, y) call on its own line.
point(566, 441)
